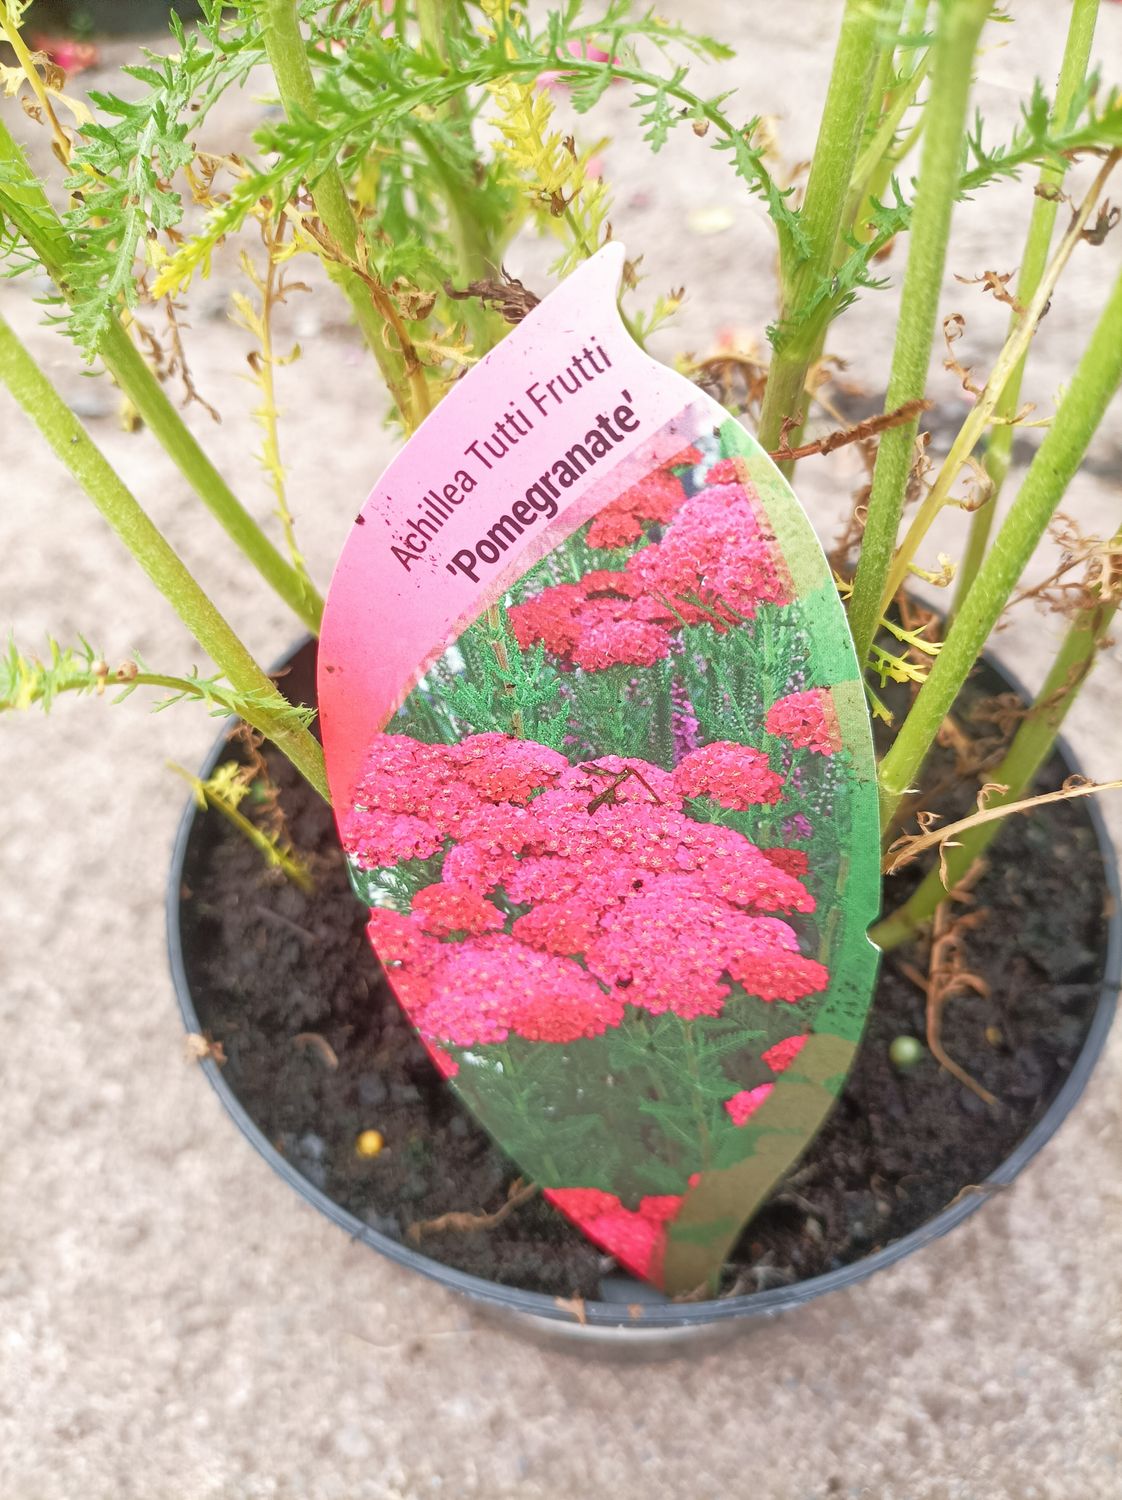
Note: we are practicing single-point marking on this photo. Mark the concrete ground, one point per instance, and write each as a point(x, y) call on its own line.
point(174, 1324)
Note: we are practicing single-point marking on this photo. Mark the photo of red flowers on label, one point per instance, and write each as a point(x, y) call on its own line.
point(617, 829)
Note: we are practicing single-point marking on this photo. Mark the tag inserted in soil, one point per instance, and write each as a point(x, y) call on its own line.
point(602, 768)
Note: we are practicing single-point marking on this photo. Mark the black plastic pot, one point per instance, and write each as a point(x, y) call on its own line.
point(664, 1325)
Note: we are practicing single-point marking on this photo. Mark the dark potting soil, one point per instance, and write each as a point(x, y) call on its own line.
point(318, 1051)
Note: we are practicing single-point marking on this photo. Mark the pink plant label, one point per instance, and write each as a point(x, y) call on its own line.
point(602, 769)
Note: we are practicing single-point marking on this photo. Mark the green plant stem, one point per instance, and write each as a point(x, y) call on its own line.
point(26, 204)
point(1031, 747)
point(844, 117)
point(137, 379)
point(206, 796)
point(475, 256)
point(871, 173)
point(265, 708)
point(1073, 70)
point(404, 378)
point(960, 25)
point(1013, 352)
point(882, 156)
point(437, 19)
point(475, 259)
point(1095, 380)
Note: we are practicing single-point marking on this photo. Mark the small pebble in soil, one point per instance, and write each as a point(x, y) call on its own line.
point(906, 1051)
point(369, 1143)
point(372, 1091)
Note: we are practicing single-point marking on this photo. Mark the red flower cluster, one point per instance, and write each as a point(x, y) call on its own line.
point(599, 622)
point(795, 862)
point(636, 1237)
point(724, 471)
point(653, 499)
point(783, 1054)
point(413, 796)
point(715, 563)
point(807, 719)
point(628, 899)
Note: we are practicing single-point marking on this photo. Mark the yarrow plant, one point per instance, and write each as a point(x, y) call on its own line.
point(608, 818)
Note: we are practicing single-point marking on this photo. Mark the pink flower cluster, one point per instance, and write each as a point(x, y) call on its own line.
point(807, 719)
point(732, 774)
point(572, 891)
point(743, 1105)
point(717, 552)
point(715, 563)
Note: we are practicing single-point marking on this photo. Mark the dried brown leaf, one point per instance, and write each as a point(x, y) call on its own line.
point(997, 283)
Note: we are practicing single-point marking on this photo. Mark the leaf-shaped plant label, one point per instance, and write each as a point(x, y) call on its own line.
point(602, 768)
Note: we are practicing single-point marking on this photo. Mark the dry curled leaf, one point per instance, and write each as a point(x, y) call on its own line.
point(1106, 219)
point(1005, 711)
point(910, 845)
point(997, 283)
point(509, 298)
point(954, 326)
point(861, 432)
point(1101, 580)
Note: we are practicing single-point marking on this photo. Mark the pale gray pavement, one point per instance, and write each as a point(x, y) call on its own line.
point(174, 1324)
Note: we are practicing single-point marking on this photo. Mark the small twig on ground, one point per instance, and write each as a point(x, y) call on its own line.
point(979, 1190)
point(520, 1192)
point(306, 1039)
point(948, 976)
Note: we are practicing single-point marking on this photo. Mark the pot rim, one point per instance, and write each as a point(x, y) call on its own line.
point(668, 1315)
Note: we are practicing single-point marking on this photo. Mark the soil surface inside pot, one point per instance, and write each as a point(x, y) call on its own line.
point(318, 1051)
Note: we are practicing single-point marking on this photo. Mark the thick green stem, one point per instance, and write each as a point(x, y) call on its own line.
point(437, 19)
point(28, 208)
point(844, 116)
point(1094, 383)
point(1073, 70)
point(288, 58)
point(136, 378)
point(1031, 747)
point(264, 706)
point(875, 157)
point(476, 258)
point(960, 25)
